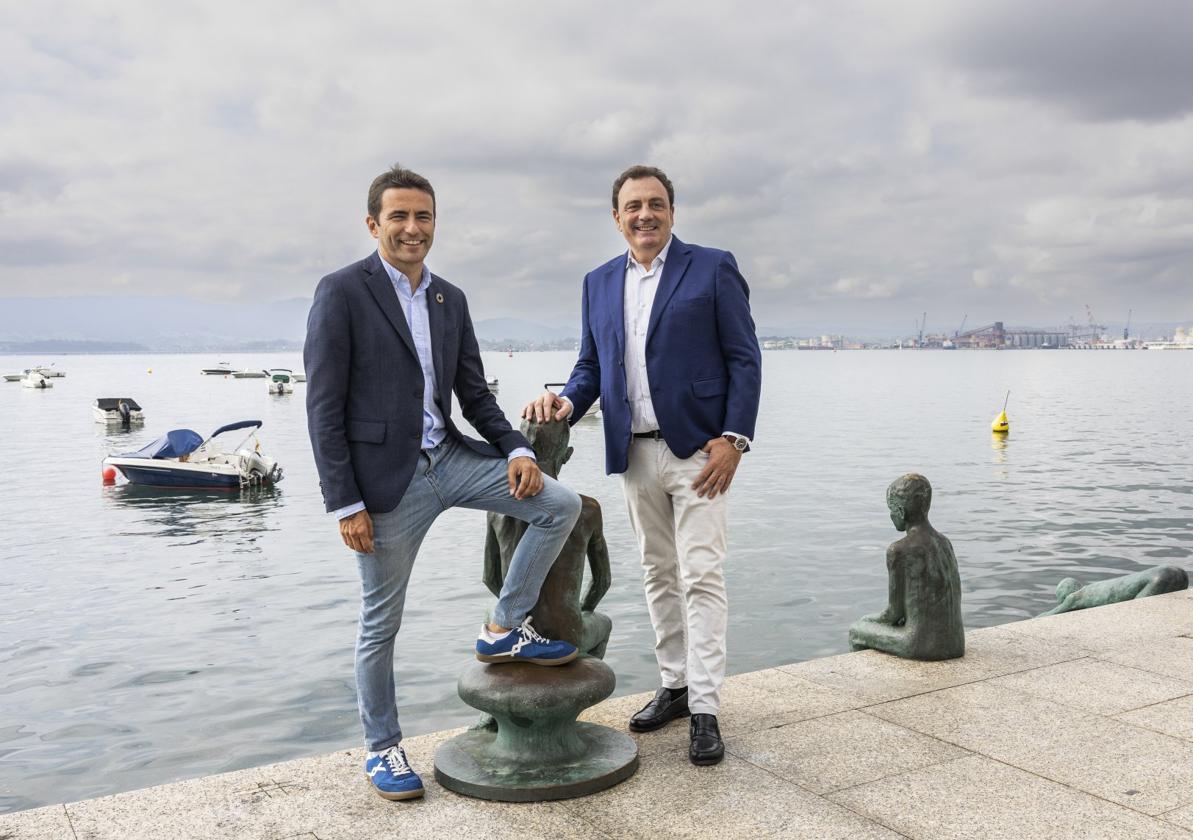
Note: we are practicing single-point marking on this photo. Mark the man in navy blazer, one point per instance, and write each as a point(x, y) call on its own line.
point(387, 345)
point(668, 344)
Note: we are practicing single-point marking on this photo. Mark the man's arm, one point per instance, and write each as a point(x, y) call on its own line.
point(326, 356)
point(739, 348)
point(584, 378)
point(480, 408)
point(743, 363)
point(584, 385)
point(477, 403)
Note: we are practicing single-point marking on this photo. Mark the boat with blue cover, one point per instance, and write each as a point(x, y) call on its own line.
point(182, 458)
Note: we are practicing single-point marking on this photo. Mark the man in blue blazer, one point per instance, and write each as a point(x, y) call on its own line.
point(668, 344)
point(387, 344)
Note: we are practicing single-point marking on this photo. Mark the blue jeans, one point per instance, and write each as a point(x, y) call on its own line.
point(450, 475)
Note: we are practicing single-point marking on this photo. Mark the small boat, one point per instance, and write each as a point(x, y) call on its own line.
point(14, 377)
point(220, 369)
point(49, 371)
point(493, 384)
point(281, 381)
point(250, 374)
point(35, 379)
point(594, 410)
point(122, 410)
point(300, 377)
point(182, 458)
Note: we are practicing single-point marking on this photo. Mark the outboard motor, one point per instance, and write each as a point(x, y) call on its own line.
point(126, 414)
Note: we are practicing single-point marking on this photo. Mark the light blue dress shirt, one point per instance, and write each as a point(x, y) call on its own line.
point(414, 307)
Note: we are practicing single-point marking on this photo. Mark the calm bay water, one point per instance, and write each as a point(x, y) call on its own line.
point(146, 637)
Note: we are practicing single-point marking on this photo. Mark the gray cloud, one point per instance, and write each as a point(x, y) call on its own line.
point(1102, 59)
point(864, 161)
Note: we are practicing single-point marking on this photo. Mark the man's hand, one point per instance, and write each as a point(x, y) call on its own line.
point(717, 474)
point(525, 478)
point(548, 405)
point(357, 532)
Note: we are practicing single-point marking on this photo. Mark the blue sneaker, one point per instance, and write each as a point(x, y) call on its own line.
point(522, 644)
point(390, 773)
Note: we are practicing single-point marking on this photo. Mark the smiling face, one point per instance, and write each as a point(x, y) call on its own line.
point(404, 229)
point(644, 216)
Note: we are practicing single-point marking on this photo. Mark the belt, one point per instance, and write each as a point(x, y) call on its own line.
point(654, 435)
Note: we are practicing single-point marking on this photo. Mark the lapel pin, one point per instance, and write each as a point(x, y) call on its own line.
point(439, 297)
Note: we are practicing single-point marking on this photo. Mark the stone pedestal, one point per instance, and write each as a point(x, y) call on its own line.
point(538, 751)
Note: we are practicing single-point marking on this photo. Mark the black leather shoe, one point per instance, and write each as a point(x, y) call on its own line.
point(667, 705)
point(707, 746)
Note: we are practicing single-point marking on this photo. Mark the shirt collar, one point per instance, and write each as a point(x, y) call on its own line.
point(401, 280)
point(661, 259)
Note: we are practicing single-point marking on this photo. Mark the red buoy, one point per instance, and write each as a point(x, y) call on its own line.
point(109, 474)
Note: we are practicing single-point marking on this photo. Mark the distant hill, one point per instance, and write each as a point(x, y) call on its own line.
point(516, 329)
point(112, 325)
point(153, 323)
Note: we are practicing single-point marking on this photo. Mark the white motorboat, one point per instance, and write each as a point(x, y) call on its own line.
point(49, 371)
point(36, 379)
point(300, 377)
point(122, 410)
point(493, 384)
point(250, 374)
point(594, 410)
point(183, 459)
point(219, 369)
point(281, 381)
point(14, 377)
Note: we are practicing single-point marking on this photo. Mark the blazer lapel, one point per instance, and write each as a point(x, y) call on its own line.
point(436, 318)
point(379, 285)
point(614, 288)
point(678, 259)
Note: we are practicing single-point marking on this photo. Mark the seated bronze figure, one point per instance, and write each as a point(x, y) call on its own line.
point(922, 619)
point(560, 613)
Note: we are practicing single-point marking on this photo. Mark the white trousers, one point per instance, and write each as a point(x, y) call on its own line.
point(682, 538)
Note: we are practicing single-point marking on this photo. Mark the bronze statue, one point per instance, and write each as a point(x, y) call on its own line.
point(1071, 595)
point(923, 615)
point(559, 613)
point(528, 745)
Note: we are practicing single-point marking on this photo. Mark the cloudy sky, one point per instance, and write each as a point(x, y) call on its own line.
point(865, 161)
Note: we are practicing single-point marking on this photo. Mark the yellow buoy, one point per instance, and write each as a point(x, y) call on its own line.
point(1001, 424)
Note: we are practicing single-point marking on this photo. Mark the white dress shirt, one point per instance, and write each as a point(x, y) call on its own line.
point(639, 290)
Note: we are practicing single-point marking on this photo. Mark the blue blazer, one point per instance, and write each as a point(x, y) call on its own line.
point(365, 385)
point(702, 355)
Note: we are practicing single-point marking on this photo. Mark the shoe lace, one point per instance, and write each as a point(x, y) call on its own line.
point(395, 759)
point(528, 632)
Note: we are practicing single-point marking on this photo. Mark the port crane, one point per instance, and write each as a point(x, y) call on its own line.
point(923, 320)
point(961, 328)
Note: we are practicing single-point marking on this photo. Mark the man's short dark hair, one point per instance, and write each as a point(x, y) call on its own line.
point(399, 178)
point(641, 171)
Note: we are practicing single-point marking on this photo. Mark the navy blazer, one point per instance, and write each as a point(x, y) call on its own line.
point(702, 355)
point(365, 385)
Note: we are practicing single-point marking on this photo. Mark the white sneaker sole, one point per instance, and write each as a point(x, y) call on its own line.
point(508, 657)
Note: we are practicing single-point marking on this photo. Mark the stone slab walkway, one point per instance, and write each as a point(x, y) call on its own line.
point(1071, 726)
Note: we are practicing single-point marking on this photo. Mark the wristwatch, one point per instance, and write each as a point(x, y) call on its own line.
point(739, 443)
